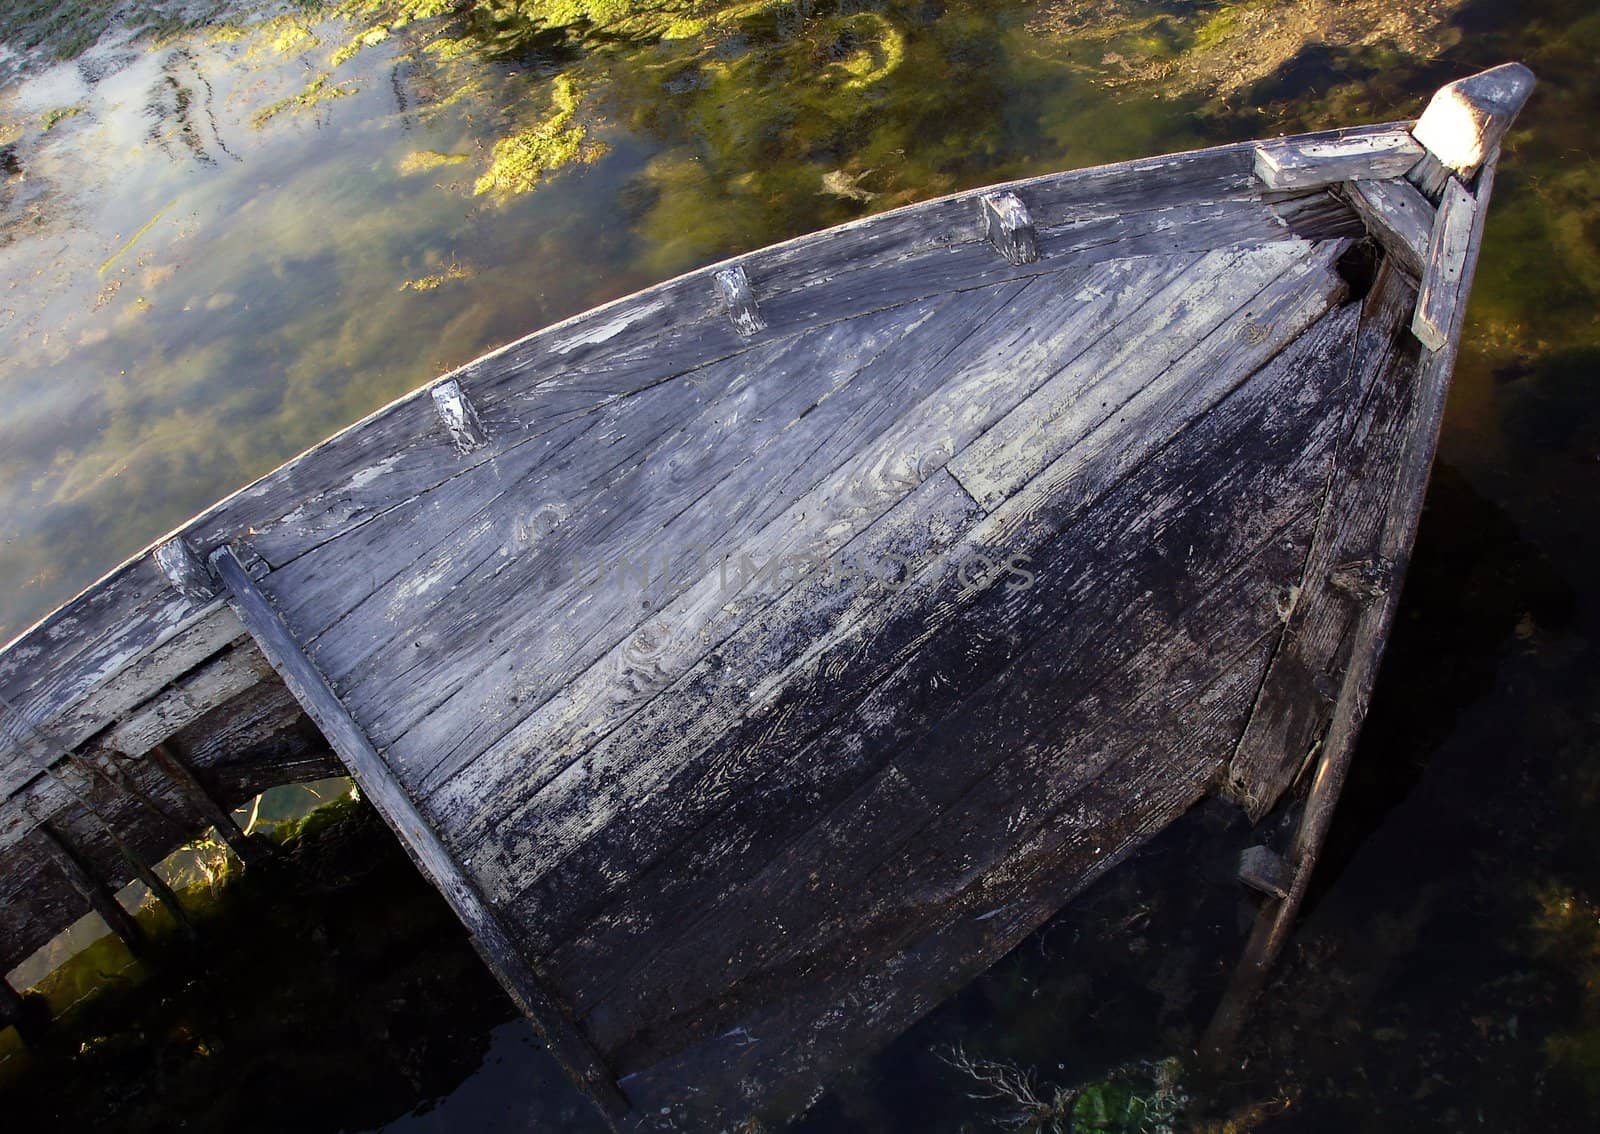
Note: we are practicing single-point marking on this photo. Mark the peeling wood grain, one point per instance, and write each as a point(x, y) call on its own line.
point(1300, 163)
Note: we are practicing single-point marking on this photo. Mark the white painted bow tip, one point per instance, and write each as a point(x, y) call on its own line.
point(1467, 119)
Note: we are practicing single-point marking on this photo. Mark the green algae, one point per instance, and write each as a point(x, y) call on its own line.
point(57, 115)
point(426, 161)
point(435, 280)
point(521, 162)
point(317, 92)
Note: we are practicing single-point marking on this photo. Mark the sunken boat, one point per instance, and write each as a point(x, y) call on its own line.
point(752, 661)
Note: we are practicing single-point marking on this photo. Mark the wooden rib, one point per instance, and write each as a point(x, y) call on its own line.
point(101, 898)
point(567, 1043)
point(210, 811)
point(1398, 216)
point(1444, 274)
point(1302, 163)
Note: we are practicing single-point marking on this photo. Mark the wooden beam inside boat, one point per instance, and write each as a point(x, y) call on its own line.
point(570, 1047)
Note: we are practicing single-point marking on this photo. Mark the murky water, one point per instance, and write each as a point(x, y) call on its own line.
point(220, 246)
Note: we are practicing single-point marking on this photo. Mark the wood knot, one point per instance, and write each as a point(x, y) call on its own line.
point(1364, 580)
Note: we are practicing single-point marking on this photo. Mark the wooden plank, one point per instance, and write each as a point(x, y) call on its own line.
point(1236, 309)
point(1273, 446)
point(1399, 218)
point(962, 386)
point(1301, 163)
point(1444, 273)
point(239, 668)
point(659, 797)
point(719, 478)
point(706, 730)
point(1105, 701)
point(566, 1042)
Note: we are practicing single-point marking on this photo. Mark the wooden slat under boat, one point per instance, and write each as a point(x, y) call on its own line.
point(754, 660)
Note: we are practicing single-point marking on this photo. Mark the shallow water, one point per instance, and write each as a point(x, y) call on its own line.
point(197, 290)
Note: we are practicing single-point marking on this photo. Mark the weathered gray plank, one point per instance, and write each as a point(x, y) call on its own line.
point(959, 397)
point(721, 477)
point(726, 703)
point(1275, 292)
point(1253, 462)
point(1444, 273)
point(1398, 216)
point(216, 682)
point(788, 1047)
point(1302, 163)
point(1145, 659)
point(655, 780)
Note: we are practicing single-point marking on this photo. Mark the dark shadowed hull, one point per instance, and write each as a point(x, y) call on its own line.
point(755, 660)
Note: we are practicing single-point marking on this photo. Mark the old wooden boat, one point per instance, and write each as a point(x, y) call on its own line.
point(752, 661)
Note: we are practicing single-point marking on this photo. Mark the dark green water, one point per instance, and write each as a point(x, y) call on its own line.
point(196, 289)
